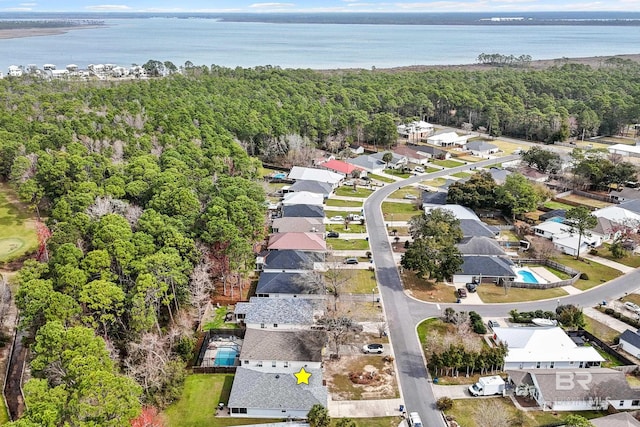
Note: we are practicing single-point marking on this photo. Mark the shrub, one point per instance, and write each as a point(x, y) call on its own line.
point(444, 403)
point(617, 315)
point(609, 311)
point(593, 252)
point(584, 276)
point(479, 328)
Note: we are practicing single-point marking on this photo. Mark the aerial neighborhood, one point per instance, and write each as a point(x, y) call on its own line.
point(174, 255)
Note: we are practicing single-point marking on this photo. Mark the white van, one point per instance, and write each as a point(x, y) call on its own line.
point(414, 420)
point(418, 169)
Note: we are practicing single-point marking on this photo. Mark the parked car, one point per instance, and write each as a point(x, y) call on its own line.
point(493, 324)
point(632, 306)
point(337, 218)
point(462, 293)
point(351, 261)
point(418, 169)
point(414, 420)
point(471, 287)
point(373, 348)
point(349, 182)
point(410, 196)
point(333, 234)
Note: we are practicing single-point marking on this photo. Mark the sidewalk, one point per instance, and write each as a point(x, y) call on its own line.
point(364, 408)
point(611, 322)
point(615, 265)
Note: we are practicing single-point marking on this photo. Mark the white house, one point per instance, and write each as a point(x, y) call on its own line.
point(313, 174)
point(415, 131)
point(397, 161)
point(625, 150)
point(544, 348)
point(15, 71)
point(274, 350)
point(618, 215)
point(567, 242)
point(630, 342)
point(303, 198)
point(481, 148)
point(448, 139)
point(575, 390)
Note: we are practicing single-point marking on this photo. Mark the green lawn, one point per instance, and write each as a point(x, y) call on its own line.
point(361, 282)
point(4, 414)
point(464, 412)
point(447, 163)
point(17, 227)
point(218, 320)
point(344, 203)
point(430, 169)
point(551, 204)
point(329, 214)
point(397, 172)
point(354, 227)
point(629, 259)
point(380, 178)
point(436, 182)
point(462, 174)
point(348, 245)
point(597, 273)
point(399, 194)
point(389, 208)
point(197, 405)
point(347, 190)
point(494, 294)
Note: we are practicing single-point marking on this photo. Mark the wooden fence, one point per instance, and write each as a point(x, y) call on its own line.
point(589, 337)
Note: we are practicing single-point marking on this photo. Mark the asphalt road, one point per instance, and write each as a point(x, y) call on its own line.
point(404, 313)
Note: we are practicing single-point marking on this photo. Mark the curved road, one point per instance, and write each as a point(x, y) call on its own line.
point(404, 313)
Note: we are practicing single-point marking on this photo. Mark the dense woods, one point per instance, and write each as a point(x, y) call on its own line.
point(149, 189)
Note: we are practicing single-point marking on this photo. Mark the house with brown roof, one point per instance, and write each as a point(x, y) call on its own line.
point(297, 241)
point(412, 155)
point(298, 225)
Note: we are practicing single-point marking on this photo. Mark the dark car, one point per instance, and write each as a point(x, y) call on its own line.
point(471, 287)
point(333, 234)
point(373, 348)
point(462, 293)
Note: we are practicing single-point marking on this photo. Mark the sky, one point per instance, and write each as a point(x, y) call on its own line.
point(256, 6)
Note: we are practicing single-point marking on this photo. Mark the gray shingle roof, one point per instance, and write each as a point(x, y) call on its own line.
point(367, 162)
point(285, 283)
point(604, 383)
point(631, 337)
point(293, 346)
point(429, 149)
point(312, 187)
point(480, 146)
point(623, 419)
point(472, 227)
point(284, 311)
point(487, 266)
point(480, 246)
point(307, 211)
point(434, 197)
point(631, 205)
point(291, 260)
point(271, 390)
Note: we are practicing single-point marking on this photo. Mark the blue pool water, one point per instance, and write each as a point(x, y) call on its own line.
point(557, 219)
point(225, 356)
point(526, 276)
point(280, 176)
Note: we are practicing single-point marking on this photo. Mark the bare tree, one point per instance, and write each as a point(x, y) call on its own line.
point(200, 285)
point(336, 277)
point(339, 327)
point(382, 328)
point(543, 248)
point(5, 299)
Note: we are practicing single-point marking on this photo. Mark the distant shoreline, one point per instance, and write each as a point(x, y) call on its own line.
point(539, 64)
point(17, 33)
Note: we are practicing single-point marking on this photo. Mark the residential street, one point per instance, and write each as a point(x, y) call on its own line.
point(404, 313)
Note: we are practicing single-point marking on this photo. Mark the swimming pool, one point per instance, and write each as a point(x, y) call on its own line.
point(526, 276)
point(225, 356)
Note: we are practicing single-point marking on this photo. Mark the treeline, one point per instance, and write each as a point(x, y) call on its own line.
point(504, 60)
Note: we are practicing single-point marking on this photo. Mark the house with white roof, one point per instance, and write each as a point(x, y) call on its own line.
point(625, 150)
point(630, 342)
point(544, 348)
point(481, 148)
point(566, 241)
point(617, 214)
point(303, 198)
point(313, 174)
point(460, 212)
point(448, 139)
point(415, 131)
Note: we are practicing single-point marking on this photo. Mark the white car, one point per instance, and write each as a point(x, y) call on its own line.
point(410, 196)
point(632, 306)
point(337, 218)
point(418, 169)
point(414, 420)
point(373, 348)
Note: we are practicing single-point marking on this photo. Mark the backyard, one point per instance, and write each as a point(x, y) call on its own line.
point(216, 318)
point(17, 227)
point(197, 404)
point(360, 282)
point(586, 201)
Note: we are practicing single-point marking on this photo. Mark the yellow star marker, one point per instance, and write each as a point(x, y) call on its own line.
point(302, 376)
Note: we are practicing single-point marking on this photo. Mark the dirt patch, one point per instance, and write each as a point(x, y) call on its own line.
point(362, 377)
